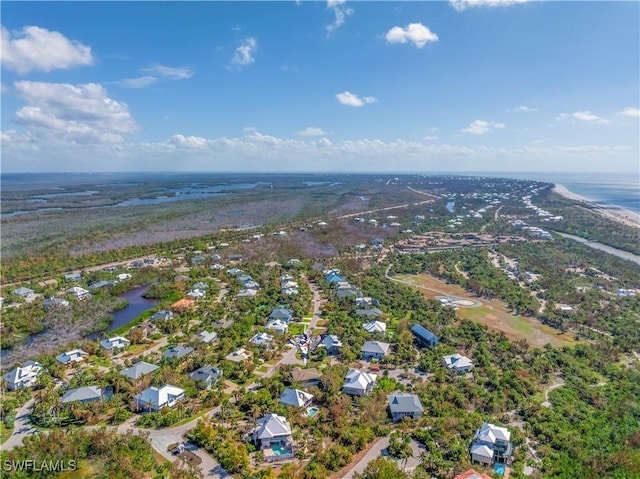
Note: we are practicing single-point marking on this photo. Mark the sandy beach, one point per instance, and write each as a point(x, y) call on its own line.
point(615, 213)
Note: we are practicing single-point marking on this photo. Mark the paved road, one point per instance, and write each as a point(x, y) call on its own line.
point(371, 454)
point(21, 428)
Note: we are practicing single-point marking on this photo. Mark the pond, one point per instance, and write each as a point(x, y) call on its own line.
point(137, 305)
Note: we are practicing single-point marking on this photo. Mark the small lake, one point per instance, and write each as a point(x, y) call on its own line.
point(137, 306)
point(603, 247)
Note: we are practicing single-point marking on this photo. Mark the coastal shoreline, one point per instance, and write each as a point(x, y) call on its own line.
point(612, 212)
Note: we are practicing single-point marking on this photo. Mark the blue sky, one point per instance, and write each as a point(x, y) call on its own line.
point(469, 85)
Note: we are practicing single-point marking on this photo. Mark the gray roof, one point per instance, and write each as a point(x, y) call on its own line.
point(177, 351)
point(162, 315)
point(207, 374)
point(281, 313)
point(369, 312)
point(82, 394)
point(376, 347)
point(22, 291)
point(272, 426)
point(399, 403)
point(138, 370)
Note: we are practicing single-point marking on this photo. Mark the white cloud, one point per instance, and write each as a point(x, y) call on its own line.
point(351, 99)
point(341, 13)
point(430, 137)
point(256, 151)
point(480, 127)
point(588, 116)
point(461, 5)
point(138, 82)
point(415, 33)
point(73, 113)
point(523, 109)
point(244, 54)
point(582, 116)
point(630, 112)
point(170, 73)
point(312, 131)
point(38, 49)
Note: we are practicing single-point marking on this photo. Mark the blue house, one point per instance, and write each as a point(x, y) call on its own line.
point(424, 335)
point(334, 278)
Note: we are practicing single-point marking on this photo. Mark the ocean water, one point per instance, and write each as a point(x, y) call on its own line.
point(622, 190)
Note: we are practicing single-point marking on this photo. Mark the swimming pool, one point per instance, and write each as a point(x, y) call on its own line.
point(499, 468)
point(278, 450)
point(312, 411)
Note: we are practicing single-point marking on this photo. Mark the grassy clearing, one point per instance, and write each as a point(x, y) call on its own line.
point(5, 432)
point(492, 313)
point(297, 328)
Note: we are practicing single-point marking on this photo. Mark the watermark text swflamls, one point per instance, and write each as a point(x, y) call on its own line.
point(59, 465)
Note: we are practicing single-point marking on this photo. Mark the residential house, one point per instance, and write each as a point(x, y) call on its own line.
point(201, 285)
point(308, 377)
point(234, 258)
point(261, 338)
point(195, 260)
point(357, 383)
point(375, 327)
point(78, 293)
point(162, 315)
point(54, 303)
point(72, 277)
point(491, 444)
point(82, 395)
point(278, 326)
point(247, 293)
point(178, 351)
point(282, 314)
point(147, 328)
point(154, 399)
point(369, 313)
point(374, 350)
point(274, 431)
point(332, 344)
point(347, 293)
point(238, 356)
point(73, 356)
point(117, 342)
point(424, 336)
point(404, 405)
point(183, 304)
point(458, 363)
point(334, 278)
point(295, 397)
point(138, 370)
point(196, 293)
point(102, 284)
point(206, 376)
point(471, 474)
point(123, 276)
point(25, 293)
point(24, 376)
point(207, 337)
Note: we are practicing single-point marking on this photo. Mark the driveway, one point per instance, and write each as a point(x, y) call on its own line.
point(21, 427)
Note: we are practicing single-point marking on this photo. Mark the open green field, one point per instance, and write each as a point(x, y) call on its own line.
point(492, 313)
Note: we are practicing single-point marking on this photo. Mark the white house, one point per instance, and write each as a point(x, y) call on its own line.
point(207, 337)
point(123, 276)
point(24, 376)
point(238, 356)
point(278, 326)
point(458, 363)
point(73, 356)
point(492, 443)
point(196, 293)
point(117, 342)
point(357, 383)
point(273, 430)
point(78, 292)
point(375, 327)
point(261, 338)
point(295, 397)
point(154, 399)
